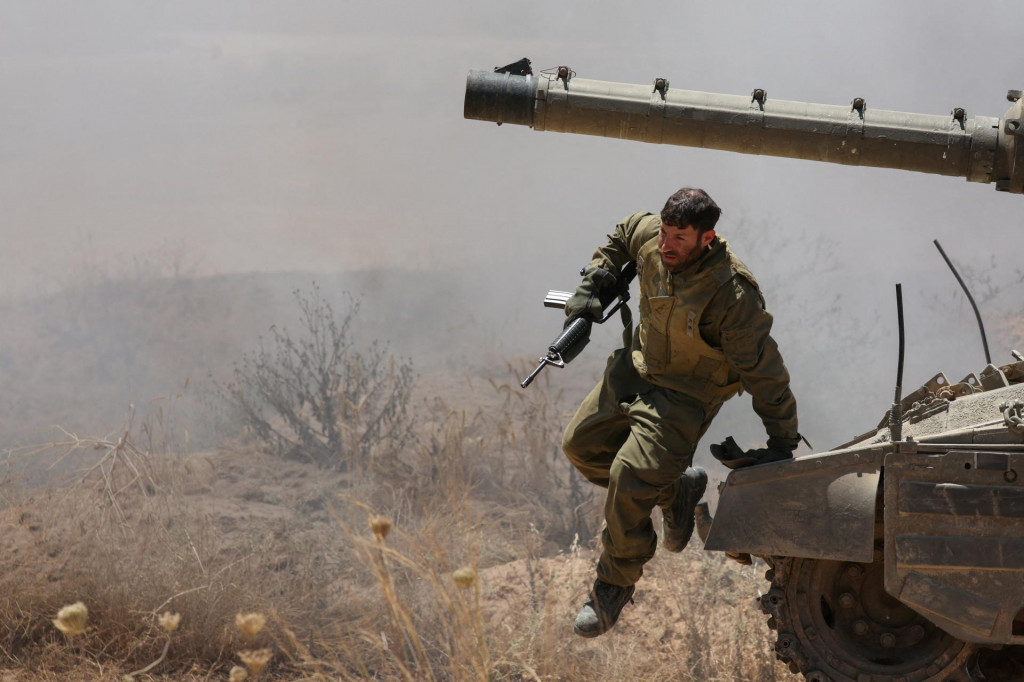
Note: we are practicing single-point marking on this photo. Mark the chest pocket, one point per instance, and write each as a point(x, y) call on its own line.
point(688, 354)
point(654, 333)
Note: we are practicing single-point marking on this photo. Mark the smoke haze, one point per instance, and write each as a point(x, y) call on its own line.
point(327, 137)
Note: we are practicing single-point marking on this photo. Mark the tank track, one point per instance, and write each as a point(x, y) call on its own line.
point(819, 656)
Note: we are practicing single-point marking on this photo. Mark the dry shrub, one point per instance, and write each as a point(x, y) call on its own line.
point(503, 460)
point(316, 396)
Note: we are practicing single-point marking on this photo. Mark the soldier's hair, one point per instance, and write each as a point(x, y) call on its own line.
point(690, 206)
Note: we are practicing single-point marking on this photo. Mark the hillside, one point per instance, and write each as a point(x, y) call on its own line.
point(232, 530)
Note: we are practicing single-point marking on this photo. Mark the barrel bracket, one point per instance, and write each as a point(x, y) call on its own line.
point(759, 95)
point(661, 85)
point(958, 142)
point(854, 128)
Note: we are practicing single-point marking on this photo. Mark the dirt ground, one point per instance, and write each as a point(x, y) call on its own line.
point(51, 539)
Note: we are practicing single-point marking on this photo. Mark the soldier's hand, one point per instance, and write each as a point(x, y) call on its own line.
point(734, 457)
point(730, 454)
point(586, 302)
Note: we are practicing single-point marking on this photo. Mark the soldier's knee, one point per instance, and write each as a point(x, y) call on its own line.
point(571, 447)
point(622, 474)
point(637, 474)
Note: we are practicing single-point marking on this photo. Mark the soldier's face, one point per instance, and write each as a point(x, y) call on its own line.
point(680, 246)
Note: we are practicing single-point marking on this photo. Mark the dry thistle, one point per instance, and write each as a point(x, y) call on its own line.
point(381, 526)
point(237, 674)
point(169, 621)
point(465, 576)
point(255, 659)
point(72, 619)
point(251, 624)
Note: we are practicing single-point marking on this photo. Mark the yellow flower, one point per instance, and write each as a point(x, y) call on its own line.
point(255, 659)
point(381, 526)
point(250, 623)
point(465, 577)
point(169, 621)
point(71, 620)
point(237, 674)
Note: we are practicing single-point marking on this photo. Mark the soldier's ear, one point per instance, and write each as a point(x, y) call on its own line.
point(706, 238)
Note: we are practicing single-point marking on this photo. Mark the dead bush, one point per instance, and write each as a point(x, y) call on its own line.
point(316, 396)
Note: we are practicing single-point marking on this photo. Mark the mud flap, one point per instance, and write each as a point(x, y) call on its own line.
point(954, 552)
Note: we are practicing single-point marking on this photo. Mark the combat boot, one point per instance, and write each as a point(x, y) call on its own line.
point(678, 516)
point(602, 608)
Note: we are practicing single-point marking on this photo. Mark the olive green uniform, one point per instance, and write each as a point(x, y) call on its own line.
point(703, 337)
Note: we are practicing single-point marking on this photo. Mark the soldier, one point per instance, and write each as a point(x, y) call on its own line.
point(703, 337)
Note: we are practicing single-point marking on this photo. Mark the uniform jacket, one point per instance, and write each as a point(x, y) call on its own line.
point(703, 331)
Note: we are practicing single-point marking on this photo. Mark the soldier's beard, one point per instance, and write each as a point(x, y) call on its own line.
point(680, 260)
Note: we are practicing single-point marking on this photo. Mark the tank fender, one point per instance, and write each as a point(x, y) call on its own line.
point(819, 506)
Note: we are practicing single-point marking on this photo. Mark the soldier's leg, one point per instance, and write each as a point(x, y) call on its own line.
point(669, 493)
point(601, 425)
point(664, 431)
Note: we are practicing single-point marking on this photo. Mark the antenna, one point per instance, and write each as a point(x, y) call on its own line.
point(896, 413)
point(981, 326)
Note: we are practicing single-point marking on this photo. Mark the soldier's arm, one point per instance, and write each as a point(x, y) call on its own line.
point(603, 282)
point(623, 245)
point(625, 241)
point(750, 351)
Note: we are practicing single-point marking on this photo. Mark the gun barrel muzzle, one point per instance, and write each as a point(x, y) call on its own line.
point(500, 97)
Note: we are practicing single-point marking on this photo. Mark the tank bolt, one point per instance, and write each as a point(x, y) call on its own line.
point(661, 85)
point(959, 113)
point(758, 95)
point(847, 600)
point(916, 634)
point(887, 640)
point(1010, 476)
point(1013, 95)
point(854, 571)
point(563, 72)
point(858, 104)
point(860, 627)
point(1012, 126)
point(815, 676)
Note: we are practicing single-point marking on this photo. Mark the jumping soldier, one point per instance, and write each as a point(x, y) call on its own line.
point(703, 337)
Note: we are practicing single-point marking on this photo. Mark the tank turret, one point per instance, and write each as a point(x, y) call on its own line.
point(980, 148)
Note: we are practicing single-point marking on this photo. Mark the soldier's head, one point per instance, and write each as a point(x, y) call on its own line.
point(687, 227)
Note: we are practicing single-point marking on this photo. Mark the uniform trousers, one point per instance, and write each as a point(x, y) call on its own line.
point(636, 439)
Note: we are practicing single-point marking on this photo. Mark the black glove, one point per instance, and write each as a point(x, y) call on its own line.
point(734, 457)
point(586, 302)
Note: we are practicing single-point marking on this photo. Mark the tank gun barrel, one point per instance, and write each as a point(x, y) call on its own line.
point(981, 149)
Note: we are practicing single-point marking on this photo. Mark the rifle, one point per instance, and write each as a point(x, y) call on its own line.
point(575, 336)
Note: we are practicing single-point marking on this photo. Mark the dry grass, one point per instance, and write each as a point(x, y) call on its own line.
point(487, 556)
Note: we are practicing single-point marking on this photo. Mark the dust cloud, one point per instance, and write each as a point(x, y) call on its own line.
point(169, 173)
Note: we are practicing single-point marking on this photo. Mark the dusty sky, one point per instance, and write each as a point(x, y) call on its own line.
point(328, 135)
